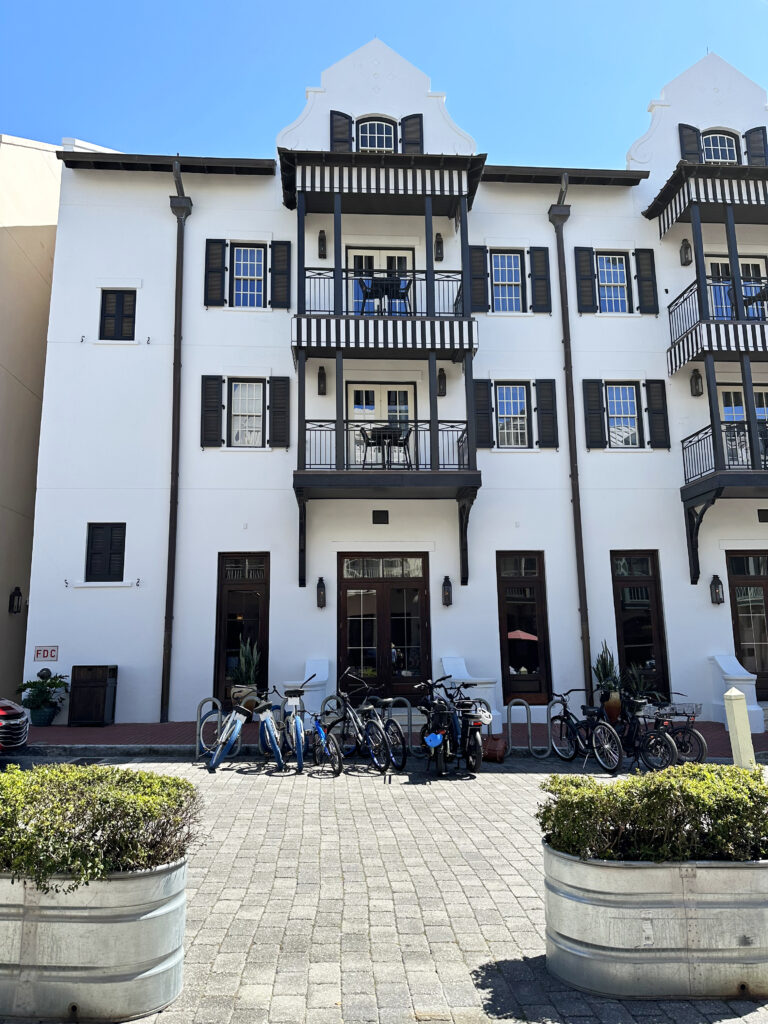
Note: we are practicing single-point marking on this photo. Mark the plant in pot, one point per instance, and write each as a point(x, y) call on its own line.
point(607, 676)
point(92, 890)
point(657, 885)
point(246, 670)
point(44, 696)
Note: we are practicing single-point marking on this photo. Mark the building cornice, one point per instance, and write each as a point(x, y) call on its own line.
point(188, 164)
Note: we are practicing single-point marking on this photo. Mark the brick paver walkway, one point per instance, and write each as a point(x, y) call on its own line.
point(389, 899)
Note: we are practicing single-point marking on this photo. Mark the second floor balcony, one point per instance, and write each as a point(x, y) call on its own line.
point(384, 293)
point(732, 464)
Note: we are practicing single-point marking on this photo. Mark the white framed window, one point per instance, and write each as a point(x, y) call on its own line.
point(375, 136)
point(248, 276)
point(622, 406)
point(613, 288)
point(245, 412)
point(719, 148)
point(508, 281)
point(513, 415)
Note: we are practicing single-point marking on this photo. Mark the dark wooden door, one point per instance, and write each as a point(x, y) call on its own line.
point(748, 586)
point(523, 628)
point(384, 620)
point(639, 616)
point(243, 613)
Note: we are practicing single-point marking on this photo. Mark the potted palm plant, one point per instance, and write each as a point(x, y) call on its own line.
point(246, 670)
point(607, 676)
point(44, 696)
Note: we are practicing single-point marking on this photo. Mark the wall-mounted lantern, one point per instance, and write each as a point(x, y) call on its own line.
point(321, 382)
point(442, 384)
point(14, 601)
point(686, 253)
point(322, 245)
point(447, 592)
point(439, 248)
point(320, 592)
point(697, 384)
point(716, 591)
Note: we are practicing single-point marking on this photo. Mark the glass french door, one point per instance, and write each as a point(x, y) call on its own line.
point(753, 279)
point(384, 620)
point(734, 418)
point(242, 613)
point(523, 626)
point(748, 586)
point(640, 617)
point(372, 267)
point(382, 406)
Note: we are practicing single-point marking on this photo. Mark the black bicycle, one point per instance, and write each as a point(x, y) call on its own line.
point(439, 738)
point(355, 729)
point(376, 708)
point(691, 745)
point(469, 717)
point(653, 746)
point(589, 735)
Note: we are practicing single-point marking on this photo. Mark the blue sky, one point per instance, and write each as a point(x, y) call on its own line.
point(538, 82)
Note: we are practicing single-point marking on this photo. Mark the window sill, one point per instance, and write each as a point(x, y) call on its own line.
point(116, 341)
point(93, 584)
point(242, 450)
point(504, 450)
point(241, 309)
point(504, 314)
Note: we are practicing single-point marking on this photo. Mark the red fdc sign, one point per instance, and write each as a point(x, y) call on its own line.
point(47, 653)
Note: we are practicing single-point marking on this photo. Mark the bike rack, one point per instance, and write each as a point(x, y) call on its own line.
point(519, 702)
point(215, 709)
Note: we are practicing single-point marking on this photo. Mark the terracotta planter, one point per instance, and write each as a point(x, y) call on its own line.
point(613, 706)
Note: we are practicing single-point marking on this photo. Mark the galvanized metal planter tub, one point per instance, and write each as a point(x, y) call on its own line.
point(642, 930)
point(109, 951)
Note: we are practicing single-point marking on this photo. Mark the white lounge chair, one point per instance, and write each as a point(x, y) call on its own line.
point(485, 688)
point(315, 690)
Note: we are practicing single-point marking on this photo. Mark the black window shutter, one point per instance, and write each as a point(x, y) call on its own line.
point(105, 553)
point(546, 414)
point(210, 412)
point(483, 414)
point(690, 144)
point(658, 423)
point(478, 273)
point(647, 295)
point(541, 293)
point(594, 413)
point(280, 294)
point(412, 134)
point(756, 142)
point(215, 266)
point(341, 132)
point(279, 412)
point(116, 551)
point(586, 293)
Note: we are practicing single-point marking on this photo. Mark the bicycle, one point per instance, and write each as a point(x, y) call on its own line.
point(398, 748)
point(469, 717)
point(247, 703)
point(293, 726)
point(655, 747)
point(355, 734)
point(439, 736)
point(691, 745)
point(590, 735)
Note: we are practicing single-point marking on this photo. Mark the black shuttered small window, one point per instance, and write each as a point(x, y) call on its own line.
point(647, 295)
point(483, 414)
point(546, 414)
point(586, 293)
point(341, 132)
point(210, 412)
point(105, 553)
point(656, 408)
point(756, 145)
point(279, 412)
point(214, 293)
point(594, 414)
point(478, 272)
point(280, 294)
point(690, 144)
point(541, 293)
point(118, 315)
point(412, 134)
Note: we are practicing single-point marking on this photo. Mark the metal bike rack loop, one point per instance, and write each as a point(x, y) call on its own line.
point(215, 709)
point(519, 702)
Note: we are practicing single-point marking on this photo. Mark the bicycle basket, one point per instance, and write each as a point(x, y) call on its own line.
point(635, 705)
point(685, 710)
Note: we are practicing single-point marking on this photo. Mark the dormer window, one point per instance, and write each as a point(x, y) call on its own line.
point(375, 135)
point(719, 148)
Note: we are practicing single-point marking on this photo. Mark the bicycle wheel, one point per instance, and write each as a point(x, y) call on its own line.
point(606, 746)
point(398, 749)
point(209, 732)
point(691, 745)
point(474, 753)
point(298, 727)
point(657, 750)
point(269, 727)
point(328, 752)
point(229, 733)
point(378, 746)
point(564, 738)
point(346, 736)
point(440, 759)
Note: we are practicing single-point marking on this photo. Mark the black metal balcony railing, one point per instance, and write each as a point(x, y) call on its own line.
point(384, 293)
point(399, 445)
point(699, 455)
point(684, 311)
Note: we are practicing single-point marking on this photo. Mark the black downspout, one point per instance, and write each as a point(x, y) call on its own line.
point(181, 207)
point(558, 215)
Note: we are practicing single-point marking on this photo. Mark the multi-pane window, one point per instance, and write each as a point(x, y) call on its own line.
point(719, 148)
point(507, 282)
point(612, 283)
point(118, 315)
point(105, 553)
point(513, 427)
point(247, 277)
point(246, 413)
point(375, 136)
point(624, 420)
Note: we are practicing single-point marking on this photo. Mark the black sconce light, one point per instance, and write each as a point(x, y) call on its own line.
point(321, 381)
point(442, 384)
point(716, 592)
point(439, 250)
point(320, 592)
point(697, 384)
point(14, 601)
point(322, 245)
point(447, 592)
point(686, 253)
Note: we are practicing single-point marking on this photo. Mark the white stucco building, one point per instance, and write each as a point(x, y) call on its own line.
point(441, 398)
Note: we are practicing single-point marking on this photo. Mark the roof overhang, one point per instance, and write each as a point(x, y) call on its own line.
point(513, 175)
point(740, 174)
point(189, 164)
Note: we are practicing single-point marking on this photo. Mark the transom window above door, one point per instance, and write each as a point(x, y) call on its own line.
point(376, 135)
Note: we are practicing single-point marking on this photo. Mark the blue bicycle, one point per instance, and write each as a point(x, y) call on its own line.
point(247, 703)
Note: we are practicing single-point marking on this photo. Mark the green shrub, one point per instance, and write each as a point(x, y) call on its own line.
point(88, 822)
point(691, 812)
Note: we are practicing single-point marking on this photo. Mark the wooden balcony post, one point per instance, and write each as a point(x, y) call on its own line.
point(338, 280)
point(339, 409)
point(429, 245)
point(302, 411)
point(301, 210)
point(733, 262)
point(714, 412)
point(469, 392)
point(434, 436)
point(749, 408)
point(701, 263)
point(466, 281)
